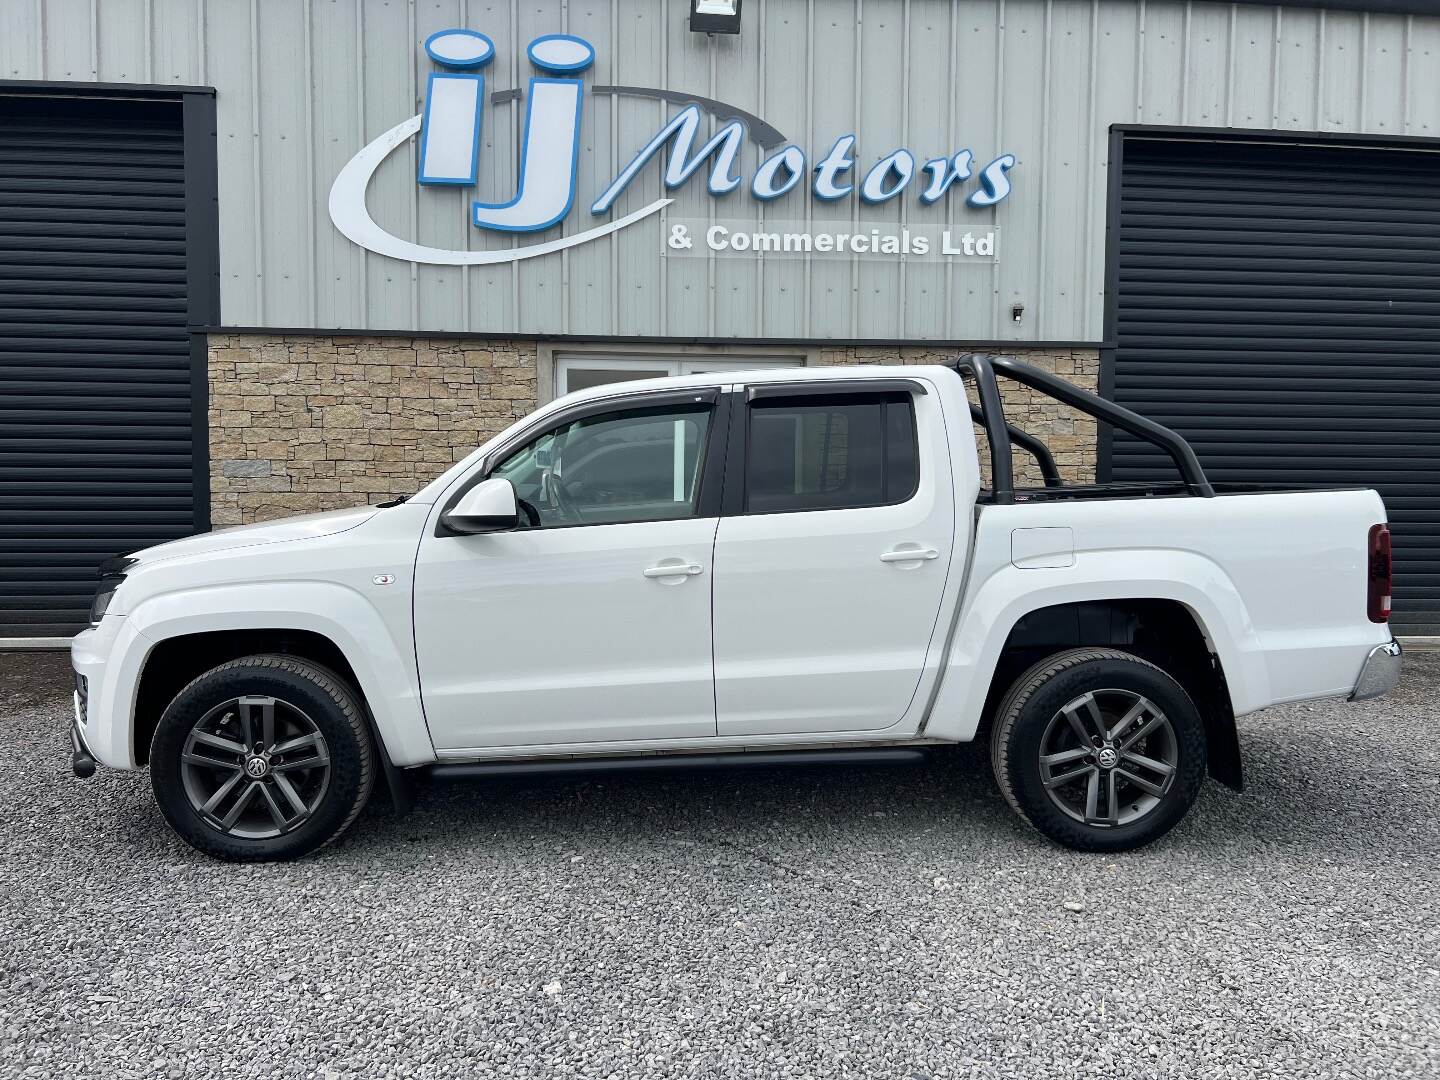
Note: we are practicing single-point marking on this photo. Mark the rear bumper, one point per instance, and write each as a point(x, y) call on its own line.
point(1379, 673)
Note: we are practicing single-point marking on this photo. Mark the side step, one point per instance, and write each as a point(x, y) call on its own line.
point(740, 759)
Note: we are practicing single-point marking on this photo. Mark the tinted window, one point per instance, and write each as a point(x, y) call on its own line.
point(636, 465)
point(818, 453)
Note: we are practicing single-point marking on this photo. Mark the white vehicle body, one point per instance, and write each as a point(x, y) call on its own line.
point(833, 627)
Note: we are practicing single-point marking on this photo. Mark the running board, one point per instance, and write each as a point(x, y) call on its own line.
point(740, 759)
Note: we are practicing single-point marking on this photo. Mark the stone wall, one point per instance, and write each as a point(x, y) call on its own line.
point(301, 423)
point(309, 422)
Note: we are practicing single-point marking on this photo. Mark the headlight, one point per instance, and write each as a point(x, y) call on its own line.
point(103, 596)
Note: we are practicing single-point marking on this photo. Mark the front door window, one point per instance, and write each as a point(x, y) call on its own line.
point(636, 465)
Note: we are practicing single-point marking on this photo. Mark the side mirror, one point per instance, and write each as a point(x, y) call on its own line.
point(488, 507)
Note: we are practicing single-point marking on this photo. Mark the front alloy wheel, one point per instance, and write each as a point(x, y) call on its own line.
point(263, 758)
point(255, 767)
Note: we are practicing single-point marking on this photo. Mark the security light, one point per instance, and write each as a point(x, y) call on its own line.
point(715, 16)
point(1017, 312)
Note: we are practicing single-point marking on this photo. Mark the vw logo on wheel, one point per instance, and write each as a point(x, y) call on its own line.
point(256, 767)
point(1108, 758)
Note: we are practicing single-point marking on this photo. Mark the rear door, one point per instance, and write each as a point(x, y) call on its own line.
point(831, 559)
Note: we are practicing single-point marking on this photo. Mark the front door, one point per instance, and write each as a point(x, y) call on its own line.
point(831, 564)
point(592, 623)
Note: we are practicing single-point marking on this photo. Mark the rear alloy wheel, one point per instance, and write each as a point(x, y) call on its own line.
point(266, 757)
point(1108, 757)
point(1099, 749)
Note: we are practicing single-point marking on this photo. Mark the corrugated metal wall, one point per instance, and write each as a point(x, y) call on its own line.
point(1290, 331)
point(96, 435)
point(1042, 79)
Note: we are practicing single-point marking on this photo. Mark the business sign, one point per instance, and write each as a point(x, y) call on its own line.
point(781, 239)
point(448, 130)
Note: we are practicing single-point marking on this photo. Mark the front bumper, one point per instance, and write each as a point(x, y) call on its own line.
point(82, 762)
point(106, 659)
point(1379, 673)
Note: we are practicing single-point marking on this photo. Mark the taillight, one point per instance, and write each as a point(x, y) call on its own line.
point(1377, 593)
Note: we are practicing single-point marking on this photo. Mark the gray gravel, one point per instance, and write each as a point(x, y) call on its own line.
point(822, 923)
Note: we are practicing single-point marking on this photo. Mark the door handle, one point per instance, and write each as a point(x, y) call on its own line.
point(674, 570)
point(910, 555)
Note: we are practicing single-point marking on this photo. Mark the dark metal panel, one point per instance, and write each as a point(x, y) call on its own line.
point(1377, 7)
point(1105, 434)
point(202, 285)
point(103, 266)
point(1277, 301)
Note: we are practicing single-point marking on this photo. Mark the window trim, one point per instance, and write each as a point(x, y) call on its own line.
point(707, 495)
point(808, 388)
point(737, 457)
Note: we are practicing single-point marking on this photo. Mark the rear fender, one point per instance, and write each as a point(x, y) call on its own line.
point(998, 603)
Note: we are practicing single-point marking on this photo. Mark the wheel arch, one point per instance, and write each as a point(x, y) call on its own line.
point(1165, 632)
point(326, 624)
point(1004, 624)
point(173, 662)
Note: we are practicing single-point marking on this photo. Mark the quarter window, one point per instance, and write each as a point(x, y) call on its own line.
point(816, 453)
point(637, 465)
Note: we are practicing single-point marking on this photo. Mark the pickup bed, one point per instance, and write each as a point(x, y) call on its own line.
point(743, 568)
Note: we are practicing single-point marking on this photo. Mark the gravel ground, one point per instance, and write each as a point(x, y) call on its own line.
point(830, 922)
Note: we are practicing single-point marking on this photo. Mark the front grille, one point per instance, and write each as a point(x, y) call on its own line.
point(82, 691)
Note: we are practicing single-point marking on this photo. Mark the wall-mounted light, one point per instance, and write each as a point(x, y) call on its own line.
point(1017, 312)
point(715, 16)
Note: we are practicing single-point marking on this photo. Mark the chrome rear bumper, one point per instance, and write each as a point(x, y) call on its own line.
point(1379, 674)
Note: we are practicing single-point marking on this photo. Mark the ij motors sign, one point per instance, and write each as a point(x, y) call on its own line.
point(448, 133)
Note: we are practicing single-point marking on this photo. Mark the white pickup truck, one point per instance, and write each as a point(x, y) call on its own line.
point(746, 568)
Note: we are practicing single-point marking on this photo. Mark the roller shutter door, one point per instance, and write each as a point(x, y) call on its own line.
point(1279, 305)
point(96, 433)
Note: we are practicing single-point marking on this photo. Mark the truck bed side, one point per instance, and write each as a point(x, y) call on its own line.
point(1275, 581)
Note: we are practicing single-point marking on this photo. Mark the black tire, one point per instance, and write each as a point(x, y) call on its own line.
point(1032, 721)
point(299, 689)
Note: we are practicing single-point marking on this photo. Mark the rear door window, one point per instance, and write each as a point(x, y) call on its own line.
point(830, 453)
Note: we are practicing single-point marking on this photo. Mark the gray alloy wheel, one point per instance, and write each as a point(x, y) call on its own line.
point(1108, 757)
point(255, 767)
point(262, 758)
point(1099, 749)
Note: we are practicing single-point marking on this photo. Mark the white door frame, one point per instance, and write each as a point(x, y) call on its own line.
point(551, 356)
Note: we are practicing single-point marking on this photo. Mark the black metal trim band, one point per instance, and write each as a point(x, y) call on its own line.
point(830, 388)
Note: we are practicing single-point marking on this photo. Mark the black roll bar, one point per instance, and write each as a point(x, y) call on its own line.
point(984, 369)
point(1002, 477)
point(1038, 450)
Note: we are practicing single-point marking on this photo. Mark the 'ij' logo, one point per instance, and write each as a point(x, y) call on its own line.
point(449, 153)
point(450, 130)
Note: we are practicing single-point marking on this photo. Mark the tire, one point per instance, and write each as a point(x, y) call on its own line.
point(1035, 745)
point(318, 769)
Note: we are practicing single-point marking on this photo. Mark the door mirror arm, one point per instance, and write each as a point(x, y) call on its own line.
point(489, 507)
